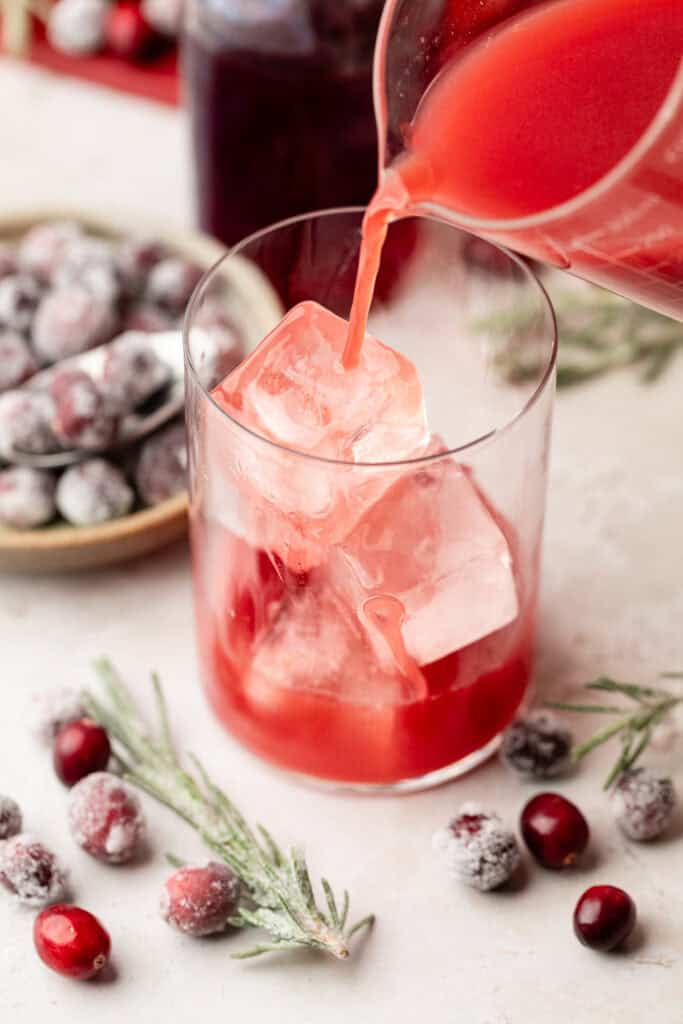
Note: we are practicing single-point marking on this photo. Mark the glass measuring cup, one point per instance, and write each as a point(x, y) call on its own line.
point(624, 231)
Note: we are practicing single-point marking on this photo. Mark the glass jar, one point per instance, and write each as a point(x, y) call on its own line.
point(280, 102)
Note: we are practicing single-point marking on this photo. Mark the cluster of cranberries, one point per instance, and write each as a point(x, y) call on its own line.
point(105, 820)
point(62, 292)
point(481, 852)
point(135, 30)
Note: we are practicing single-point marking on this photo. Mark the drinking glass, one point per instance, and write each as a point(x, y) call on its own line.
point(625, 232)
point(399, 649)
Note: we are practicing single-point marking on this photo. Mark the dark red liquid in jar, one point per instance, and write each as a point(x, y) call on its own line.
point(280, 101)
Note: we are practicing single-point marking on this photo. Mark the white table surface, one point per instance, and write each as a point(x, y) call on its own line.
point(612, 602)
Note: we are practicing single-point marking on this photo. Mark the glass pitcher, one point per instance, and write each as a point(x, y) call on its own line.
point(625, 229)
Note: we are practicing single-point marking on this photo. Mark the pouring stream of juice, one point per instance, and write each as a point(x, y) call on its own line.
point(528, 120)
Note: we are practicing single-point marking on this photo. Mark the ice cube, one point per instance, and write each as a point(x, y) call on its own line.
point(432, 544)
point(317, 645)
point(293, 390)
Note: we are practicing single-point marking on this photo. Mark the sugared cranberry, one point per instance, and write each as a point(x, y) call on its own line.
point(604, 917)
point(537, 747)
point(127, 31)
point(71, 941)
point(49, 710)
point(19, 299)
point(162, 468)
point(93, 492)
point(135, 258)
point(132, 370)
point(82, 417)
point(478, 849)
point(17, 362)
point(76, 27)
point(200, 900)
point(554, 829)
point(31, 871)
point(106, 818)
point(216, 345)
point(80, 749)
point(90, 262)
point(27, 497)
point(26, 423)
point(42, 248)
point(10, 817)
point(643, 803)
point(171, 283)
point(71, 319)
point(166, 16)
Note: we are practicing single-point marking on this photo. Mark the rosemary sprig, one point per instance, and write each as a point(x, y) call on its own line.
point(598, 331)
point(633, 724)
point(278, 889)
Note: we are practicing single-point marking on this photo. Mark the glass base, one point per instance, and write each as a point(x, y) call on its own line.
point(413, 785)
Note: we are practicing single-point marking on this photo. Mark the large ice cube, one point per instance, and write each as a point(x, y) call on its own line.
point(317, 645)
point(432, 544)
point(293, 390)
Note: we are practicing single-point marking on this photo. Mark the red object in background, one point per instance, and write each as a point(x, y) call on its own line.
point(157, 80)
point(127, 31)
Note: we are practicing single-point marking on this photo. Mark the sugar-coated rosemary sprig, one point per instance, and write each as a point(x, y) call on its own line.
point(278, 889)
point(633, 725)
point(598, 332)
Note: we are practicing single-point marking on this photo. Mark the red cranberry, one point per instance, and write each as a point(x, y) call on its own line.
point(478, 849)
point(171, 283)
point(30, 871)
point(80, 749)
point(71, 319)
point(17, 363)
point(19, 298)
point(82, 418)
point(10, 817)
point(604, 917)
point(42, 248)
point(27, 497)
point(132, 370)
point(554, 829)
point(93, 492)
point(106, 818)
point(127, 31)
point(200, 900)
point(71, 941)
point(162, 469)
point(26, 423)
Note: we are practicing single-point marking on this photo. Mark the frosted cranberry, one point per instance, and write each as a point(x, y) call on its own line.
point(26, 423)
point(643, 803)
point(19, 299)
point(554, 829)
point(132, 370)
point(142, 316)
point(10, 817)
point(42, 247)
point(9, 263)
point(135, 258)
point(604, 917)
point(166, 16)
point(30, 871)
point(171, 283)
point(537, 747)
point(106, 818)
point(216, 345)
point(127, 31)
point(93, 492)
point(200, 900)
point(478, 849)
point(71, 319)
point(49, 710)
point(71, 941)
point(27, 497)
point(90, 262)
point(80, 749)
point(82, 417)
point(162, 468)
point(17, 362)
